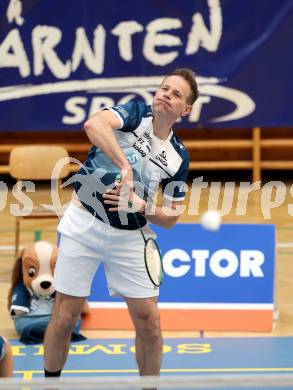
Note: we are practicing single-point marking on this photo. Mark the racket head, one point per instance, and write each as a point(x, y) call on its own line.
point(153, 262)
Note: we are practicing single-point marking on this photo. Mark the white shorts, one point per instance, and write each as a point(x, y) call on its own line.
point(86, 242)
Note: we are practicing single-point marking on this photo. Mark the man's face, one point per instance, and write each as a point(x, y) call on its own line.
point(171, 97)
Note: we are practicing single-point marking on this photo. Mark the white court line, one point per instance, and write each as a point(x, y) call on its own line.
point(280, 245)
point(9, 247)
point(285, 245)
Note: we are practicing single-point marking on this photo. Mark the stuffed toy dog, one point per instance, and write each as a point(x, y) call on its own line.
point(31, 296)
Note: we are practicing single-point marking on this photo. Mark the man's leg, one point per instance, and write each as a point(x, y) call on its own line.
point(148, 343)
point(58, 334)
point(6, 364)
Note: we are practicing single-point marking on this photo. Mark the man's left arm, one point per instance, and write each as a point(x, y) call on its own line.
point(166, 215)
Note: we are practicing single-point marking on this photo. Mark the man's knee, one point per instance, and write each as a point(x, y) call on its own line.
point(150, 325)
point(63, 322)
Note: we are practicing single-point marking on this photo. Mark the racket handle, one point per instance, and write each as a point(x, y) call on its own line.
point(118, 178)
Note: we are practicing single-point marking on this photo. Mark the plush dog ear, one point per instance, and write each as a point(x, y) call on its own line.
point(16, 276)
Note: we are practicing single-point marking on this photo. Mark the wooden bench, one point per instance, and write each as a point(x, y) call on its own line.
point(210, 149)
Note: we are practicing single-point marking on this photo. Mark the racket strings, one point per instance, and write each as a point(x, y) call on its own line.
point(153, 262)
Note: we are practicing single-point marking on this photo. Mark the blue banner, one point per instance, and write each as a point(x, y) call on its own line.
point(62, 61)
point(234, 265)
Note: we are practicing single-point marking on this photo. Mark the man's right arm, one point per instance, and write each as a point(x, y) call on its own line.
point(99, 129)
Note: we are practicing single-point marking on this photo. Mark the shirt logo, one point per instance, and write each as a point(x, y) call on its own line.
point(140, 150)
point(132, 158)
point(122, 111)
point(162, 158)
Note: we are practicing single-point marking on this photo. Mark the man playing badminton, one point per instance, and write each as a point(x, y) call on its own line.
point(134, 149)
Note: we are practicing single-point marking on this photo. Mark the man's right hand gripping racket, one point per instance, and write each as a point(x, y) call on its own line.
point(152, 255)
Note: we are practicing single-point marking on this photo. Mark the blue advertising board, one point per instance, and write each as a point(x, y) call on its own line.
point(234, 265)
point(62, 61)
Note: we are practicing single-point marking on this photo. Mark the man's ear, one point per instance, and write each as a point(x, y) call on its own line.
point(187, 110)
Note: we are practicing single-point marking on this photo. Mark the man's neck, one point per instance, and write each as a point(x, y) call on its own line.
point(162, 128)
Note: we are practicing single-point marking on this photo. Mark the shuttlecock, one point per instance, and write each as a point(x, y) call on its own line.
point(211, 220)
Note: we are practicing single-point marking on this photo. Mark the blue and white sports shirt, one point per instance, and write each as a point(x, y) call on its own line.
point(153, 161)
